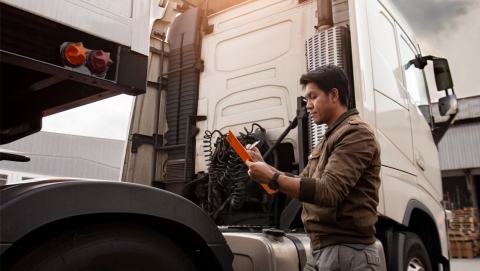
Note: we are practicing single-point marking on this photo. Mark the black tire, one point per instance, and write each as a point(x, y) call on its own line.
point(107, 247)
point(415, 256)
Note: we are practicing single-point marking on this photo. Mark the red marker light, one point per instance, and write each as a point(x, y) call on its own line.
point(75, 53)
point(99, 61)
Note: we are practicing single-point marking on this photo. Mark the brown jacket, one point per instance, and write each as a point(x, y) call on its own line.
point(339, 186)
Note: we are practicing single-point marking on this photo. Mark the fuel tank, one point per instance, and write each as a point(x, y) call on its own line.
point(274, 250)
point(270, 250)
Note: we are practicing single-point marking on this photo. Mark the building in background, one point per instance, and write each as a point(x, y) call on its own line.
point(64, 155)
point(460, 156)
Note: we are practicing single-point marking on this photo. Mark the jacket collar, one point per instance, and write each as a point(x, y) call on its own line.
point(340, 119)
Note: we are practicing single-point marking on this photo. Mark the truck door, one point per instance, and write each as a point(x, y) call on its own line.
point(392, 112)
point(424, 149)
point(391, 99)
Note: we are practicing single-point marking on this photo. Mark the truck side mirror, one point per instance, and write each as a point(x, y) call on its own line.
point(448, 105)
point(443, 77)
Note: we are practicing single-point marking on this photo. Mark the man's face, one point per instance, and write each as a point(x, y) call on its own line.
point(318, 104)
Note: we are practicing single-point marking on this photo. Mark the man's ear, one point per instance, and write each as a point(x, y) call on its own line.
point(334, 95)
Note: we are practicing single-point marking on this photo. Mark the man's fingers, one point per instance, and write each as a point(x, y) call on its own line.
point(248, 163)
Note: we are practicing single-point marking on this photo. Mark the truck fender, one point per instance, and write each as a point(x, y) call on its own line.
point(412, 205)
point(28, 206)
point(436, 248)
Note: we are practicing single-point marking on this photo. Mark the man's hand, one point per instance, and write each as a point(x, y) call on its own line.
point(255, 153)
point(259, 171)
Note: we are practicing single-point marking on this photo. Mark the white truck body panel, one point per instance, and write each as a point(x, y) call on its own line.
point(253, 62)
point(440, 216)
point(399, 188)
point(252, 69)
point(125, 22)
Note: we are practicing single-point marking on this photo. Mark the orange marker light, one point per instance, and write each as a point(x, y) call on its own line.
point(75, 53)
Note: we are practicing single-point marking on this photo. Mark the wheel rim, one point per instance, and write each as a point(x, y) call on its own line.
point(415, 265)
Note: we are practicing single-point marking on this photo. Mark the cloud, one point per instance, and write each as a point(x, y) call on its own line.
point(429, 17)
point(458, 47)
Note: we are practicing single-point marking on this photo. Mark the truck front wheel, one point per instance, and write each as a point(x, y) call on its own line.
point(112, 246)
point(415, 256)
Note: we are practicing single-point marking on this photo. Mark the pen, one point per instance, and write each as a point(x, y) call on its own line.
point(254, 144)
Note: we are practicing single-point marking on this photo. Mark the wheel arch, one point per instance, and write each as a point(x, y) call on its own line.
point(420, 220)
point(48, 207)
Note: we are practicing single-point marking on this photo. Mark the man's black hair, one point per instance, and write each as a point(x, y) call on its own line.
point(326, 78)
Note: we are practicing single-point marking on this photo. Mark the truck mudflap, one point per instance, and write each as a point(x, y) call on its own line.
point(29, 206)
point(274, 250)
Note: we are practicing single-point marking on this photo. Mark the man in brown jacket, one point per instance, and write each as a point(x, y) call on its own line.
point(339, 186)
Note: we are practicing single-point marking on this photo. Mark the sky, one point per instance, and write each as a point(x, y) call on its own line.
point(449, 29)
point(444, 28)
point(108, 118)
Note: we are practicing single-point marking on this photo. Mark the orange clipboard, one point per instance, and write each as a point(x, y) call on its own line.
point(242, 152)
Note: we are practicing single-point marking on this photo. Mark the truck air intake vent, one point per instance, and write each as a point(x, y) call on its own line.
point(329, 46)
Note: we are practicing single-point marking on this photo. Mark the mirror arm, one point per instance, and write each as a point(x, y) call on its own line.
point(420, 61)
point(432, 120)
point(439, 132)
point(447, 94)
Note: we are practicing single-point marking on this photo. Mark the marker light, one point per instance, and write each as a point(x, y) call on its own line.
point(75, 53)
point(99, 61)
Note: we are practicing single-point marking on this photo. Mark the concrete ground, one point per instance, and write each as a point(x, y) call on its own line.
point(465, 264)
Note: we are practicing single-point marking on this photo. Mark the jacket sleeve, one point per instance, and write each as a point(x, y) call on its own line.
point(352, 154)
point(305, 170)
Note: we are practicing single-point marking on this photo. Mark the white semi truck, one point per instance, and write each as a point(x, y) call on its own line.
point(201, 68)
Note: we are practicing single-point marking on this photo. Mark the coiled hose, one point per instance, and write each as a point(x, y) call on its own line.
point(215, 169)
point(227, 174)
point(237, 174)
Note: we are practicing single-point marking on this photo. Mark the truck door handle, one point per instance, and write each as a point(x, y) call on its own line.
point(420, 162)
